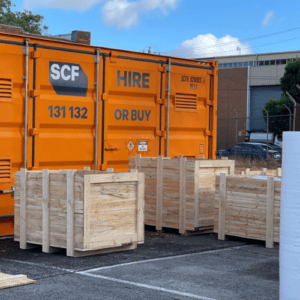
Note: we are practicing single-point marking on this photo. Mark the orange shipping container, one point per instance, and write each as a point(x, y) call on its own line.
point(65, 105)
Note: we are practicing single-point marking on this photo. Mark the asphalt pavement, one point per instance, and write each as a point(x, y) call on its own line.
point(167, 266)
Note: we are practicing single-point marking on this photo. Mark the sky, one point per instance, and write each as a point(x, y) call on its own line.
point(184, 28)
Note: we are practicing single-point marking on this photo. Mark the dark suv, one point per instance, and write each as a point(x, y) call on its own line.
point(253, 150)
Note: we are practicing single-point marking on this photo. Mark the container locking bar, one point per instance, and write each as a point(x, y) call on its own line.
point(12, 191)
point(7, 217)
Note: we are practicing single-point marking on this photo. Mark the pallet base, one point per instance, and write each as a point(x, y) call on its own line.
point(197, 231)
point(104, 251)
point(202, 230)
point(78, 253)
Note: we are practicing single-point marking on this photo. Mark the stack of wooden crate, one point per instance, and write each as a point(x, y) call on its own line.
point(180, 192)
point(85, 212)
point(247, 207)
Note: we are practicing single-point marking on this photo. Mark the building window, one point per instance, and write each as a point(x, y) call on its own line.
point(251, 63)
point(240, 64)
point(224, 66)
point(220, 66)
point(235, 65)
point(245, 64)
point(261, 63)
point(272, 62)
point(267, 63)
point(230, 65)
point(280, 61)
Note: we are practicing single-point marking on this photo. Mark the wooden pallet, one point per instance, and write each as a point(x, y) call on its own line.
point(180, 192)
point(85, 212)
point(248, 208)
point(10, 281)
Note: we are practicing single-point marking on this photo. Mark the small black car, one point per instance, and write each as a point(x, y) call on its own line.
point(253, 150)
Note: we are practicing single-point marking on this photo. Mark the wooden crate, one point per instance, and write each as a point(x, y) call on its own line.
point(85, 212)
point(264, 171)
point(247, 207)
point(179, 192)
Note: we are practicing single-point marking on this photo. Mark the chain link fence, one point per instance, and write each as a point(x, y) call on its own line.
point(232, 131)
point(236, 130)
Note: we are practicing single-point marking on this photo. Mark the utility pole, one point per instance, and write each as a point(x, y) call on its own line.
point(295, 107)
point(267, 135)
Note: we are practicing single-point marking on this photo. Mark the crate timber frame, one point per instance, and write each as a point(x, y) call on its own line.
point(247, 207)
point(179, 192)
point(85, 212)
point(264, 171)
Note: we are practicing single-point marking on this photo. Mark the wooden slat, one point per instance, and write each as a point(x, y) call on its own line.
point(11, 281)
point(140, 207)
point(270, 214)
point(115, 177)
point(159, 188)
point(46, 212)
point(222, 207)
point(70, 213)
point(182, 197)
point(86, 209)
point(23, 217)
point(196, 194)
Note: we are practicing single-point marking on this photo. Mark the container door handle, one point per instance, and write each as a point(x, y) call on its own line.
point(12, 191)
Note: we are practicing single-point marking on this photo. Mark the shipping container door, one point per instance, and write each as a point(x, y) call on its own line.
point(131, 101)
point(63, 130)
point(192, 112)
point(12, 99)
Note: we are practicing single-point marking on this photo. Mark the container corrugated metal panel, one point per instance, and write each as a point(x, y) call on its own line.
point(132, 109)
point(259, 96)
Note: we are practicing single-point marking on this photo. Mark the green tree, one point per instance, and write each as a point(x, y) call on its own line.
point(291, 78)
point(275, 107)
point(30, 22)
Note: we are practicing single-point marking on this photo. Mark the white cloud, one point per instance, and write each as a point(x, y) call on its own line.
point(120, 13)
point(268, 19)
point(124, 13)
point(209, 45)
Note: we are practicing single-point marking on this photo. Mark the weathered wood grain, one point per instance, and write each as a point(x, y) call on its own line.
point(79, 210)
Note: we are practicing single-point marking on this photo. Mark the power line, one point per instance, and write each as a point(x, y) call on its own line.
point(220, 52)
point(242, 41)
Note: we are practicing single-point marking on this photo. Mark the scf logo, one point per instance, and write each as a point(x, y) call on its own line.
point(65, 72)
point(68, 79)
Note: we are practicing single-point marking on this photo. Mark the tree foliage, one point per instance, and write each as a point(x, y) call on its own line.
point(25, 19)
point(291, 77)
point(276, 107)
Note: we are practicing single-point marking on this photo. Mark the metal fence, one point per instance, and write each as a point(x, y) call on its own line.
point(235, 130)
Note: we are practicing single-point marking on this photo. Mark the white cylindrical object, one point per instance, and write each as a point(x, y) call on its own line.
point(290, 218)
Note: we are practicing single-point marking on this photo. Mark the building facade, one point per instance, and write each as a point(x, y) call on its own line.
point(246, 82)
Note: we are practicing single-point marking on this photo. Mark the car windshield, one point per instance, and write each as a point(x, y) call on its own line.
point(265, 147)
point(275, 147)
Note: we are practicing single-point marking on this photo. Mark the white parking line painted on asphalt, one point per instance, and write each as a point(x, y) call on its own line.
point(162, 258)
point(146, 286)
point(38, 265)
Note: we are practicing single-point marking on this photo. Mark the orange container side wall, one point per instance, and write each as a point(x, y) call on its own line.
point(65, 123)
point(11, 127)
point(132, 110)
point(189, 109)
